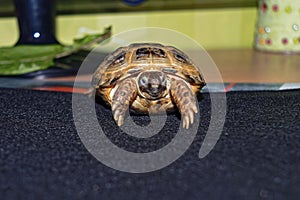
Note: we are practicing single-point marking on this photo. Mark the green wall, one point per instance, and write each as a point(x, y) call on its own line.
point(212, 28)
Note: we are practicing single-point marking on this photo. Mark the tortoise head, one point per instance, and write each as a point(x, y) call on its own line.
point(152, 84)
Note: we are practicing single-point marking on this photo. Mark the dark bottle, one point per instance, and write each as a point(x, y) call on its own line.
point(36, 19)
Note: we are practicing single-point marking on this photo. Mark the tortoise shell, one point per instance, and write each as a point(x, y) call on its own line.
point(126, 64)
point(138, 57)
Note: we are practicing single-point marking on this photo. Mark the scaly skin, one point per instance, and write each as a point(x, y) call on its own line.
point(122, 99)
point(185, 101)
point(182, 95)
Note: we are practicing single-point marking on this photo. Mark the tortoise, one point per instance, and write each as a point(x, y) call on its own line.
point(148, 78)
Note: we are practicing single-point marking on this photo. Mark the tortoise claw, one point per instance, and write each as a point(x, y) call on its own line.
point(188, 117)
point(119, 116)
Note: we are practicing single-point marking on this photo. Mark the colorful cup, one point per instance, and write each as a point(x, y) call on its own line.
point(278, 26)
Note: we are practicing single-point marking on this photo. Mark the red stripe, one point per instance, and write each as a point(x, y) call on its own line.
point(63, 89)
point(84, 90)
point(229, 87)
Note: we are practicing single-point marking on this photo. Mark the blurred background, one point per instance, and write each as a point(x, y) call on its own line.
point(214, 24)
point(251, 41)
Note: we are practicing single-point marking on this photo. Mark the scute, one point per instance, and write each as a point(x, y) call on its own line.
point(110, 69)
point(119, 59)
point(180, 58)
point(130, 60)
point(142, 53)
point(158, 52)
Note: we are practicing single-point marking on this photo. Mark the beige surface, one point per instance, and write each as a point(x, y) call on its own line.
point(255, 66)
point(248, 66)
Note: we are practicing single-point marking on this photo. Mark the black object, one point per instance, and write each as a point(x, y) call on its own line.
point(134, 2)
point(256, 157)
point(36, 19)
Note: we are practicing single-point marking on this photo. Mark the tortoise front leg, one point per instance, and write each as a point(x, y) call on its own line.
point(122, 99)
point(185, 101)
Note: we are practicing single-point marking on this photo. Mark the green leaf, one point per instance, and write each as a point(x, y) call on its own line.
point(23, 59)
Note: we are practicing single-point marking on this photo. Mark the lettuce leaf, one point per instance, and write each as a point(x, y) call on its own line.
point(22, 59)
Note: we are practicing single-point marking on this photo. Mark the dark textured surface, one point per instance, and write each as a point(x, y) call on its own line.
point(257, 156)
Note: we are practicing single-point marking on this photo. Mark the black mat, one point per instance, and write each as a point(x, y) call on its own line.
point(257, 156)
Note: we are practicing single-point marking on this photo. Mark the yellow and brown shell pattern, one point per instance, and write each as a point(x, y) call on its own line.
point(148, 77)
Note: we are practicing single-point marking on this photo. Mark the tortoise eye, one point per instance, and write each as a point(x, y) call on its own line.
point(143, 81)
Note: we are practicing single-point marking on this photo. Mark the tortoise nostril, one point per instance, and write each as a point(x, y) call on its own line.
point(155, 90)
